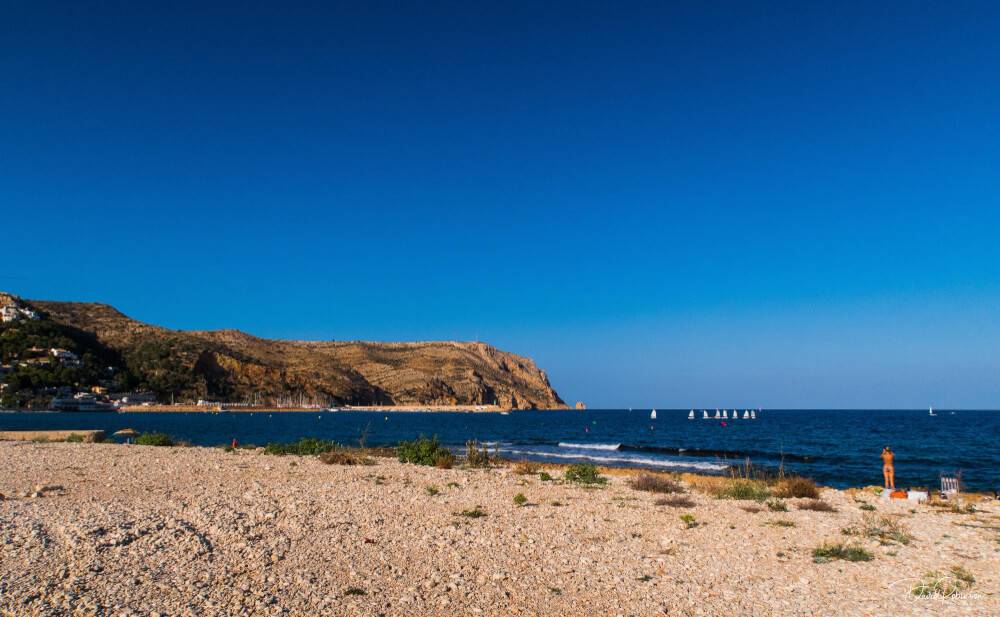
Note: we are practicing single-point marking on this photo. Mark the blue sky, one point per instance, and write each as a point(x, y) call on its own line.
point(720, 204)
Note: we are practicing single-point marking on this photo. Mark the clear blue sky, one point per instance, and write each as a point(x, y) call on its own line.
point(713, 204)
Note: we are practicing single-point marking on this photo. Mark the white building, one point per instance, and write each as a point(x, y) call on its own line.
point(9, 313)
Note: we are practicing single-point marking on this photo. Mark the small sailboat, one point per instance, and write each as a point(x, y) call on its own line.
point(691, 415)
point(704, 414)
point(717, 414)
point(746, 414)
point(725, 414)
point(652, 415)
point(931, 412)
point(753, 414)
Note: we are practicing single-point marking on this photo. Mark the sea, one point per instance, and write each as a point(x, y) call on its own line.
point(838, 448)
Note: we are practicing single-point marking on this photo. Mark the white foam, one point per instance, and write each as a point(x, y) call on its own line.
point(591, 446)
point(622, 460)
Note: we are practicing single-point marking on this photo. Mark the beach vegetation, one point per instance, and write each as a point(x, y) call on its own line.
point(557, 503)
point(425, 451)
point(936, 584)
point(526, 468)
point(752, 508)
point(867, 507)
point(476, 512)
point(355, 591)
point(431, 490)
point(675, 501)
point(816, 505)
point(689, 521)
point(656, 484)
point(797, 487)
point(782, 523)
point(743, 489)
point(307, 446)
point(520, 499)
point(847, 552)
point(452, 485)
point(584, 473)
point(544, 476)
point(346, 456)
point(154, 439)
point(776, 505)
point(885, 529)
point(74, 438)
point(477, 455)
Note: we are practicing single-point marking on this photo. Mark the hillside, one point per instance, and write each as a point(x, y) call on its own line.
point(234, 366)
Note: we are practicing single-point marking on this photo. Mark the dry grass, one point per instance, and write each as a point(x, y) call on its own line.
point(656, 484)
point(346, 456)
point(885, 529)
point(526, 468)
point(797, 487)
point(675, 501)
point(816, 505)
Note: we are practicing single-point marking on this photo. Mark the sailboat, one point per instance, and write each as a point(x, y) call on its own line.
point(725, 414)
point(717, 416)
point(753, 414)
point(691, 415)
point(652, 415)
point(704, 414)
point(931, 412)
point(746, 414)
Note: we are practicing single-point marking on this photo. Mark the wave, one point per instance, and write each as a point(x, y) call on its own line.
point(622, 460)
point(590, 446)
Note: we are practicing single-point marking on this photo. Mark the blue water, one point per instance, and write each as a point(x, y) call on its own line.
point(836, 448)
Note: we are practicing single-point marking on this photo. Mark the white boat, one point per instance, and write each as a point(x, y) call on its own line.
point(931, 412)
point(704, 414)
point(691, 415)
point(652, 415)
point(753, 414)
point(717, 416)
point(746, 414)
point(725, 414)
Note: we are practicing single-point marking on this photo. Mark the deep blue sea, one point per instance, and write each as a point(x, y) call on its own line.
point(835, 447)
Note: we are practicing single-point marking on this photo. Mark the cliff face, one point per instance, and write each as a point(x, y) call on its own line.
point(234, 366)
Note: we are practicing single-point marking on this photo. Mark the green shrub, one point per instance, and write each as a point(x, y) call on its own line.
point(526, 468)
point(431, 490)
point(345, 456)
point(476, 512)
point(689, 521)
point(742, 489)
point(867, 507)
point(74, 438)
point(424, 451)
point(154, 439)
point(520, 499)
point(477, 455)
point(847, 552)
point(882, 528)
point(306, 446)
point(584, 473)
point(544, 476)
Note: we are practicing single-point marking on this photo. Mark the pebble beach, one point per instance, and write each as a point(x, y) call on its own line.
point(105, 529)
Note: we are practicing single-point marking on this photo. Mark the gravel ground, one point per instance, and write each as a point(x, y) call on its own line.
point(100, 529)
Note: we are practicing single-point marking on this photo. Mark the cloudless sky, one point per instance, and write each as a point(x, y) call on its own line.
point(672, 204)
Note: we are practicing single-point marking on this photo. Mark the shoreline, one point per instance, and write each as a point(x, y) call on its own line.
point(112, 529)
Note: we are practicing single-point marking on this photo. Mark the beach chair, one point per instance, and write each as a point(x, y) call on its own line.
point(950, 485)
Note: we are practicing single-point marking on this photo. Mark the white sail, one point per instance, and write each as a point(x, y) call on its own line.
point(704, 414)
point(753, 414)
point(746, 414)
point(652, 415)
point(725, 414)
point(691, 415)
point(717, 416)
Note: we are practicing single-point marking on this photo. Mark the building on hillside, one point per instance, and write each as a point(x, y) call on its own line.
point(65, 356)
point(9, 313)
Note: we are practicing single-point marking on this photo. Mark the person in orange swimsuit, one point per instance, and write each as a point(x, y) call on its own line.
point(888, 470)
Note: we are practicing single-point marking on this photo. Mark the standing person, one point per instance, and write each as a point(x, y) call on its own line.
point(888, 469)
